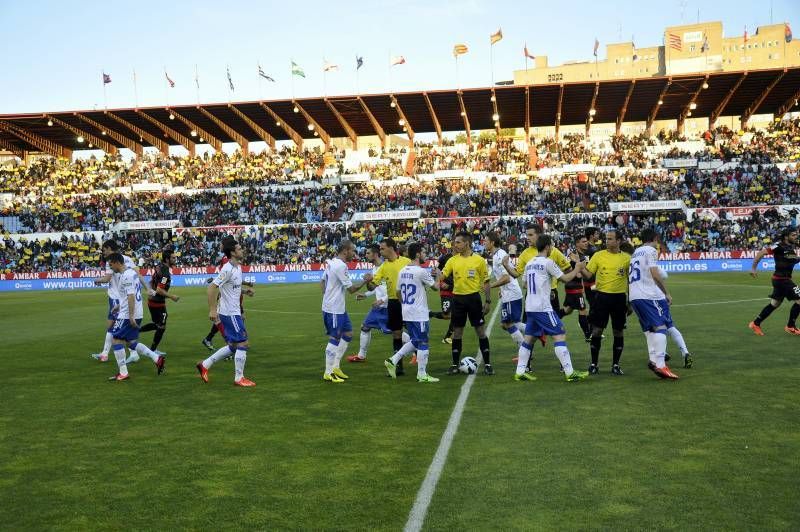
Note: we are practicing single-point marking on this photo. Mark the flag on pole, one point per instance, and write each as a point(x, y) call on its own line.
point(496, 36)
point(706, 47)
point(746, 37)
point(169, 80)
point(106, 79)
point(359, 62)
point(398, 60)
point(635, 53)
point(675, 42)
point(329, 67)
point(596, 46)
point(196, 78)
point(527, 53)
point(460, 49)
point(787, 33)
point(230, 81)
point(297, 71)
point(264, 74)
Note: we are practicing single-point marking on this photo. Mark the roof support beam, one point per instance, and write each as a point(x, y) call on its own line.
point(296, 137)
point(47, 146)
point(686, 112)
point(232, 133)
point(93, 140)
point(185, 141)
point(755, 105)
point(129, 143)
point(433, 117)
point(351, 133)
point(654, 111)
point(258, 130)
point(406, 125)
point(527, 115)
point(372, 120)
point(783, 109)
point(624, 110)
point(205, 136)
point(724, 103)
point(162, 146)
point(589, 115)
point(5, 145)
point(464, 116)
point(322, 133)
point(558, 109)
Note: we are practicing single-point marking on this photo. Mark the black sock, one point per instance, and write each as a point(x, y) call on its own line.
point(764, 314)
point(595, 349)
point(212, 332)
point(793, 314)
point(157, 338)
point(148, 327)
point(449, 331)
point(484, 345)
point(619, 343)
point(456, 351)
point(583, 321)
point(560, 312)
point(437, 315)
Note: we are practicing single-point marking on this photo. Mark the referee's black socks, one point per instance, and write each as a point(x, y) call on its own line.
point(619, 343)
point(597, 341)
point(484, 345)
point(456, 351)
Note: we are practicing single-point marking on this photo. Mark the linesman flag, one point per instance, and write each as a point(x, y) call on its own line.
point(398, 60)
point(496, 36)
point(297, 71)
point(264, 74)
point(460, 49)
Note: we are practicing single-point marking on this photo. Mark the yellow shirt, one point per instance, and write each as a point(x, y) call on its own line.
point(610, 271)
point(469, 273)
point(555, 255)
point(389, 271)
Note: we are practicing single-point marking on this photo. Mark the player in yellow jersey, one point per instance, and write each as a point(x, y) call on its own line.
point(470, 274)
point(609, 267)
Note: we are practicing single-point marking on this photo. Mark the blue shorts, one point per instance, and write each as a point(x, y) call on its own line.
point(511, 312)
point(337, 325)
point(111, 304)
point(233, 329)
point(652, 313)
point(378, 318)
point(122, 330)
point(418, 331)
point(543, 324)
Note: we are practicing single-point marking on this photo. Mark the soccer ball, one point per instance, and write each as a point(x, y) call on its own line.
point(468, 365)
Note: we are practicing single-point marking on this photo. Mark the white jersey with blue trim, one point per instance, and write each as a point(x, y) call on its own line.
point(129, 285)
point(411, 284)
point(337, 281)
point(640, 279)
point(538, 275)
point(229, 281)
point(113, 284)
point(511, 290)
point(380, 292)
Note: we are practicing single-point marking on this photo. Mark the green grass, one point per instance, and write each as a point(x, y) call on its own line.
point(718, 449)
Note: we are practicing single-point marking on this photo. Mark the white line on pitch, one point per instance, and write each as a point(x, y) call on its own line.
point(719, 302)
point(416, 518)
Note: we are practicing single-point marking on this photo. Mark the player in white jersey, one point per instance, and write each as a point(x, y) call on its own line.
point(109, 247)
point(378, 316)
point(540, 316)
point(411, 285)
point(334, 284)
point(510, 292)
point(129, 318)
point(650, 300)
point(677, 337)
point(224, 308)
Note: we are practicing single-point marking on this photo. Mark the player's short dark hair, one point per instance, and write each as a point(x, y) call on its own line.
point(229, 246)
point(344, 244)
point(375, 248)
point(464, 235)
point(166, 254)
point(648, 234)
point(116, 258)
point(389, 243)
point(494, 238)
point(413, 250)
point(536, 227)
point(111, 244)
point(627, 247)
point(786, 232)
point(543, 241)
point(580, 236)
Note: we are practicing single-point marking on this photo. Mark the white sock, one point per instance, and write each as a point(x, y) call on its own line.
point(144, 350)
point(330, 357)
point(239, 360)
point(406, 338)
point(563, 356)
point(340, 352)
point(223, 352)
point(651, 353)
point(521, 328)
point(107, 344)
point(407, 349)
point(363, 344)
point(660, 348)
point(422, 362)
point(677, 337)
point(516, 334)
point(119, 354)
point(524, 354)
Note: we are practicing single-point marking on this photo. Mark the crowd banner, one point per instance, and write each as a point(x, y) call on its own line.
point(641, 206)
point(679, 163)
point(457, 173)
point(145, 225)
point(378, 216)
point(362, 177)
point(739, 213)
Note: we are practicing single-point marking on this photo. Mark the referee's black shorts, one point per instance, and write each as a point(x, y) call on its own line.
point(395, 321)
point(605, 306)
point(467, 306)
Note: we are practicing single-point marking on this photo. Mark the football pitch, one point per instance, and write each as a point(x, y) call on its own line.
point(718, 449)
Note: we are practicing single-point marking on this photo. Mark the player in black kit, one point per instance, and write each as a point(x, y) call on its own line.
point(446, 295)
point(160, 282)
point(574, 298)
point(785, 254)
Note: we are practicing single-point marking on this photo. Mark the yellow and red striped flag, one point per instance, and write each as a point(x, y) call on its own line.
point(460, 49)
point(496, 36)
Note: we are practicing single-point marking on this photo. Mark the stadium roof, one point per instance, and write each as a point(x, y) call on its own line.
point(741, 94)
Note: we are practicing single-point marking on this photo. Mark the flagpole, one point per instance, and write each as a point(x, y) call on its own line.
point(389, 74)
point(458, 78)
point(491, 60)
point(166, 86)
point(356, 91)
point(260, 92)
point(324, 77)
point(105, 96)
point(197, 83)
point(135, 90)
point(291, 75)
